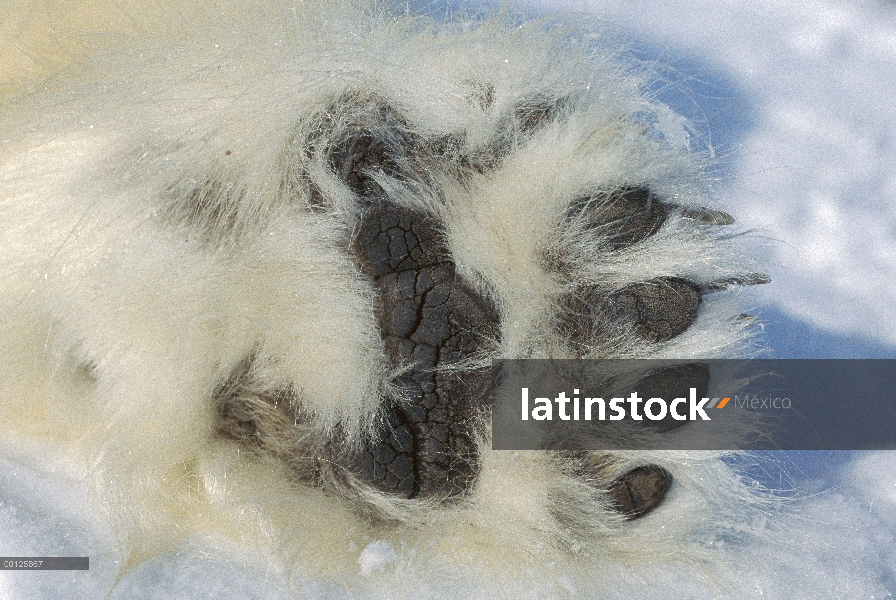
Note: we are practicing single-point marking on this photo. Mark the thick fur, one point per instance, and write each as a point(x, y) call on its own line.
point(176, 233)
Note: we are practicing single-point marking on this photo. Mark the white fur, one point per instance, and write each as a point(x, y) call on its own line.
point(118, 320)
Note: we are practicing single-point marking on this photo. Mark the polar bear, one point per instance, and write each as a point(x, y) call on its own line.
point(258, 259)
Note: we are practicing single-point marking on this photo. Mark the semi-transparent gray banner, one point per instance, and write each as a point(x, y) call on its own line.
point(694, 405)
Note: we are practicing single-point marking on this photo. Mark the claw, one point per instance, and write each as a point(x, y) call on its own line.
point(717, 286)
point(708, 216)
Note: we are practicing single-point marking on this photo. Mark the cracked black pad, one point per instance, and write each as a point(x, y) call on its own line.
point(373, 149)
point(429, 317)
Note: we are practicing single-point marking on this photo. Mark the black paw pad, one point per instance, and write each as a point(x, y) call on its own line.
point(656, 310)
point(390, 463)
point(640, 490)
point(625, 217)
point(429, 317)
point(359, 135)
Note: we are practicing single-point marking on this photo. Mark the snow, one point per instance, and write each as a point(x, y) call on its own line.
point(375, 556)
point(813, 170)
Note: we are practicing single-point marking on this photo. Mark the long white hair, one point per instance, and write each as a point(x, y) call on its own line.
point(191, 319)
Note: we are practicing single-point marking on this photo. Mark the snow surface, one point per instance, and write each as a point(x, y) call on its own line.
point(811, 135)
point(797, 98)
